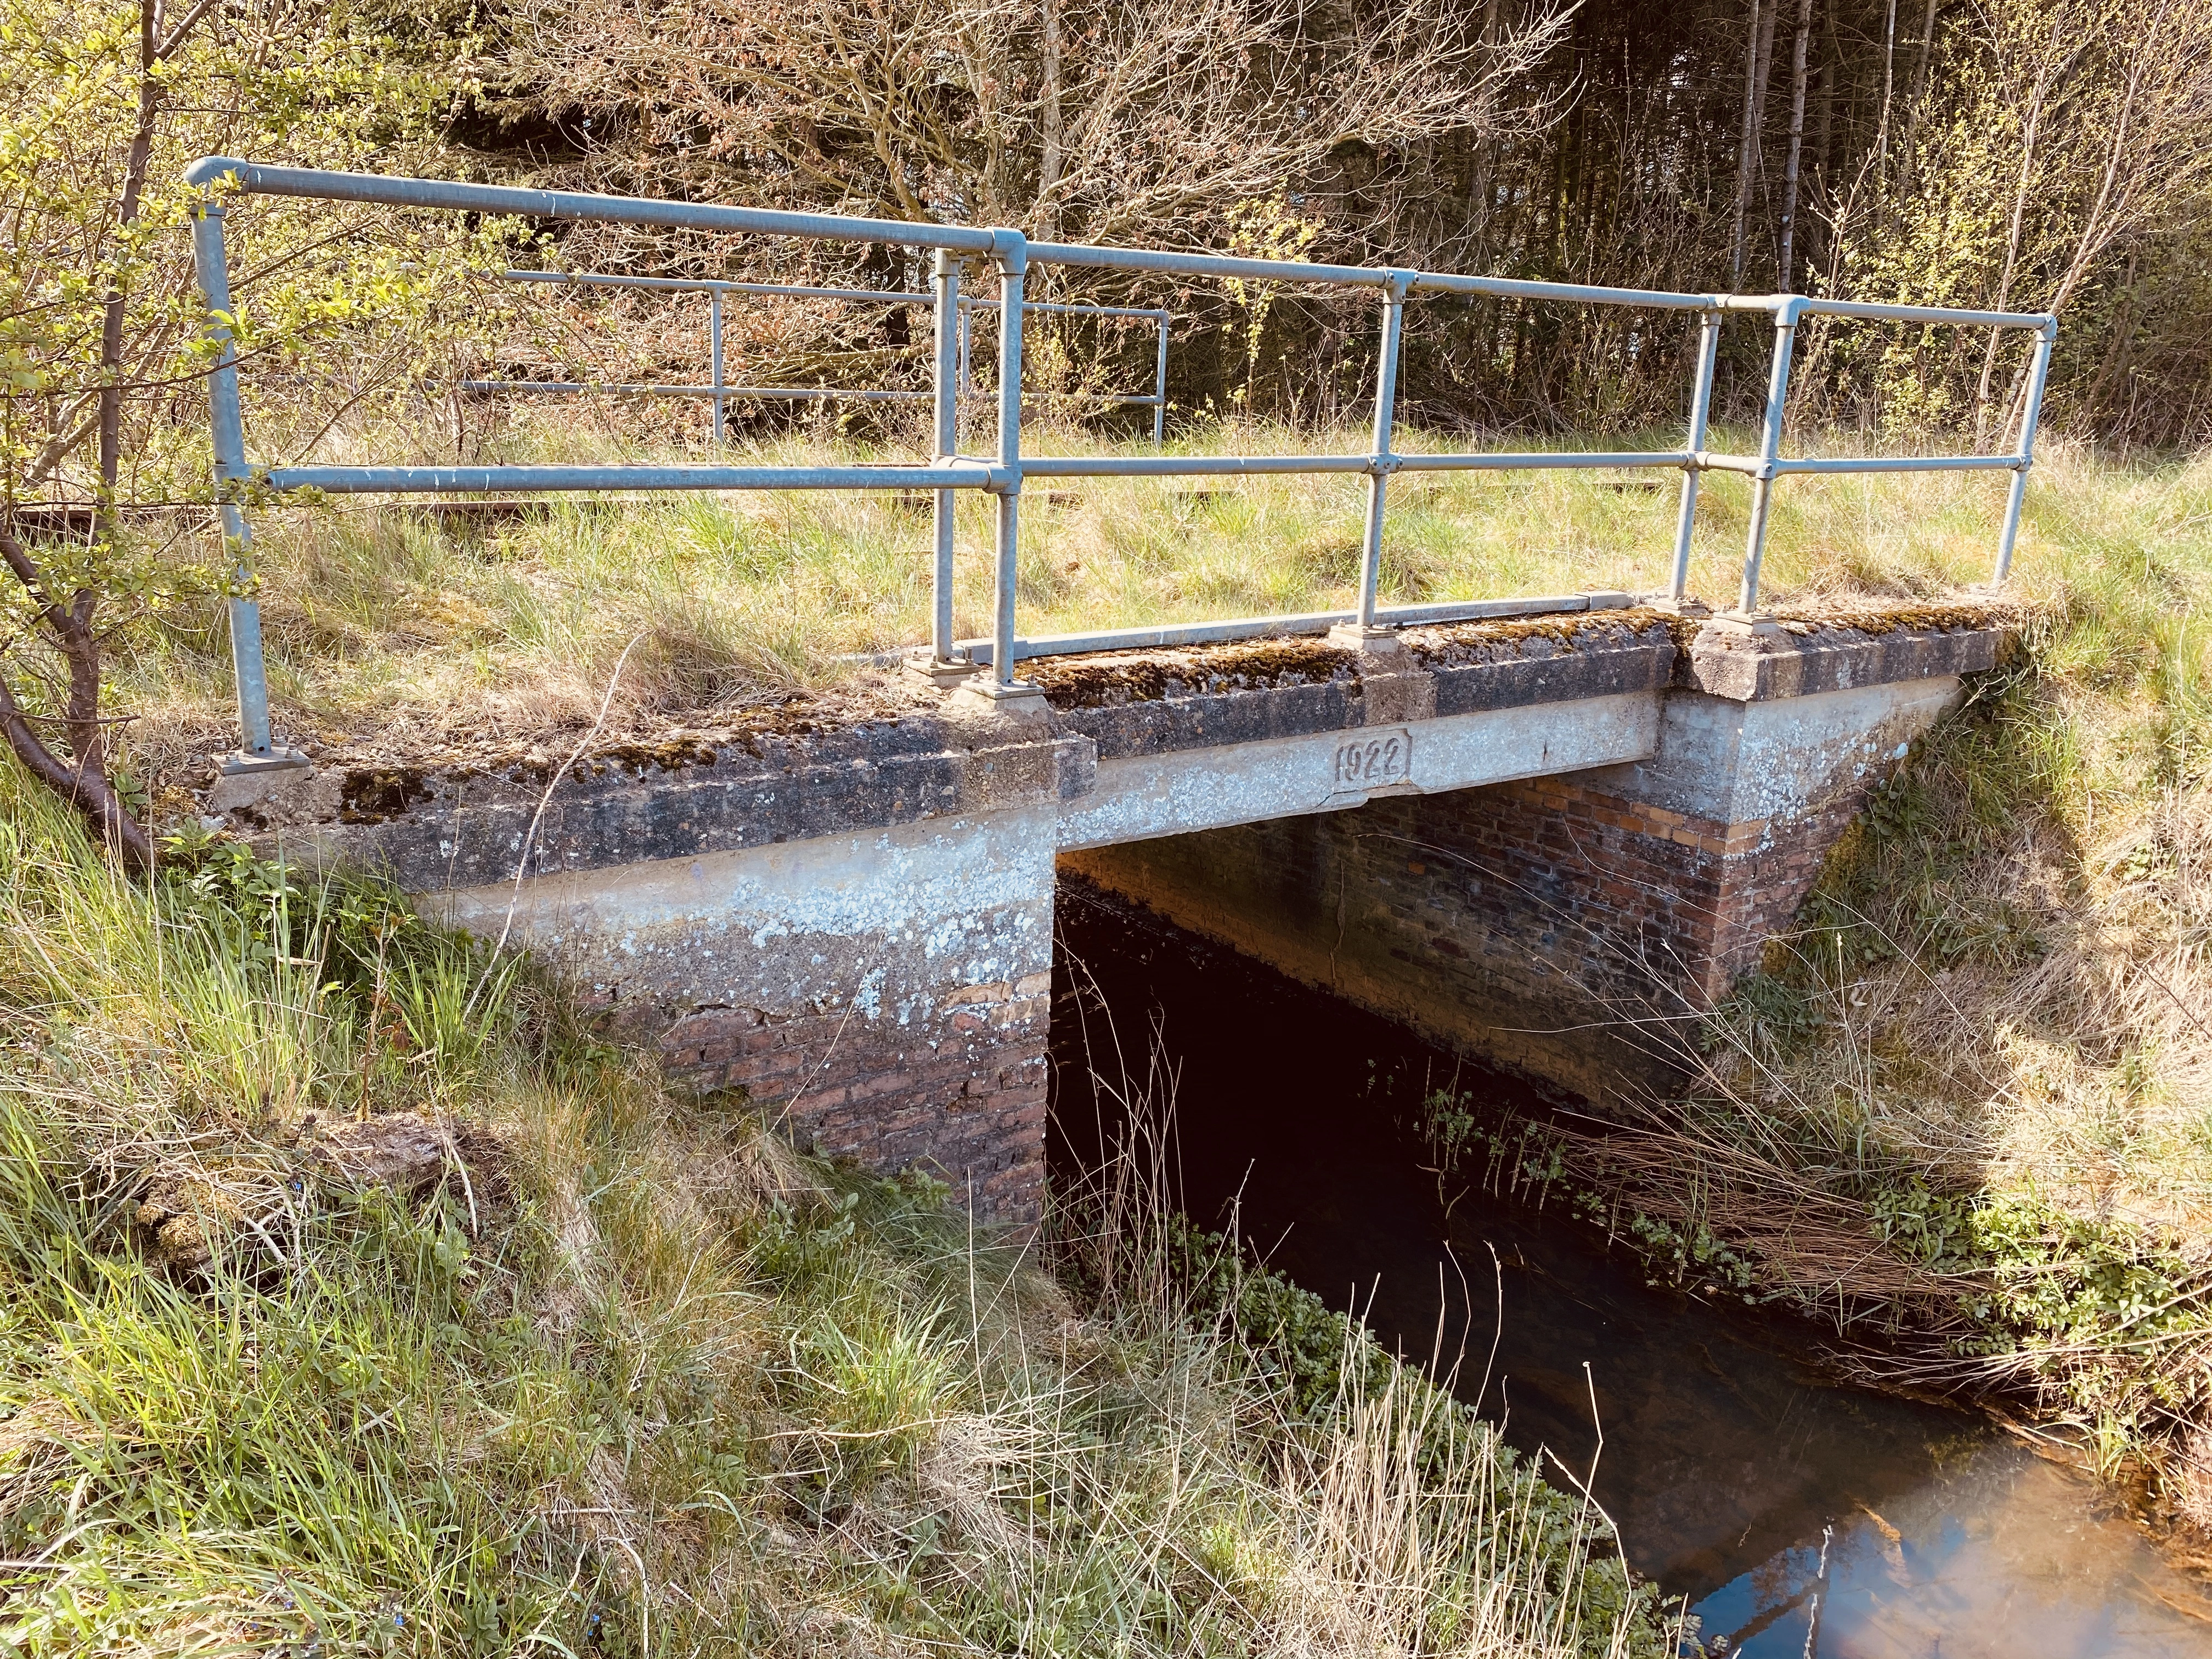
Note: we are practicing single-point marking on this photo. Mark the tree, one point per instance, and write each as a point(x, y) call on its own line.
point(99, 328)
point(2069, 132)
point(1787, 258)
point(1758, 56)
point(1144, 120)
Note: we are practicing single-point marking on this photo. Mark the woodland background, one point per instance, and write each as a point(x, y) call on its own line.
point(2016, 154)
point(2025, 154)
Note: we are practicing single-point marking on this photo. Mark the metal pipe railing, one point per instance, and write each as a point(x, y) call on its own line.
point(945, 271)
point(1701, 401)
point(1013, 270)
point(1001, 477)
point(1378, 468)
point(722, 393)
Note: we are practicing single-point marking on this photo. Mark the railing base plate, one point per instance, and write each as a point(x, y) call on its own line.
point(1351, 637)
point(1755, 625)
point(241, 762)
point(1014, 701)
point(942, 672)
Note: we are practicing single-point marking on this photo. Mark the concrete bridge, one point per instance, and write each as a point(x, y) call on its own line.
point(1530, 840)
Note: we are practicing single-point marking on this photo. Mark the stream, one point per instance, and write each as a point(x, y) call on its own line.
point(1800, 1516)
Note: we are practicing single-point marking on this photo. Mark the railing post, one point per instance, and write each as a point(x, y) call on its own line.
point(1701, 403)
point(256, 749)
point(714, 329)
point(1009, 251)
point(2045, 337)
point(1160, 388)
point(1364, 631)
point(945, 276)
point(1770, 451)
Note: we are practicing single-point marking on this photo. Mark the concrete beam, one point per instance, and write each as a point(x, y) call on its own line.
point(1139, 797)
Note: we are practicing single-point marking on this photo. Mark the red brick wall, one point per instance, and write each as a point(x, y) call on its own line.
point(960, 1092)
point(1549, 924)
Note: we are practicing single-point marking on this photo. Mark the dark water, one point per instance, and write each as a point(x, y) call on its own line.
point(1799, 1515)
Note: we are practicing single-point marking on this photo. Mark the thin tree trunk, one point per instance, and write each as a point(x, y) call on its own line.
point(82, 781)
point(2030, 133)
point(1888, 88)
point(112, 311)
point(1820, 227)
point(1757, 56)
point(1052, 148)
point(1483, 185)
point(1786, 260)
point(1920, 80)
point(1743, 144)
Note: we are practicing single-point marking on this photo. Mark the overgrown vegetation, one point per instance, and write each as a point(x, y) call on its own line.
point(353, 1298)
point(1961, 1112)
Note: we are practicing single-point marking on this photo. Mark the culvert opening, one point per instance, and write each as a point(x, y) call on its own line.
point(1800, 1514)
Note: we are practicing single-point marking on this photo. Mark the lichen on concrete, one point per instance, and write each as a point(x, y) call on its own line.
point(1108, 679)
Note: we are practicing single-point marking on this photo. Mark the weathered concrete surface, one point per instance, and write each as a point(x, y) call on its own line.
point(711, 791)
point(853, 920)
point(1564, 924)
point(887, 988)
point(1140, 796)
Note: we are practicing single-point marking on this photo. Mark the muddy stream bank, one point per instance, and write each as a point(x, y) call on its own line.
point(1799, 1515)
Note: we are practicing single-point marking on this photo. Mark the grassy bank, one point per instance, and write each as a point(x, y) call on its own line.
point(383, 619)
point(1963, 1114)
point(353, 1300)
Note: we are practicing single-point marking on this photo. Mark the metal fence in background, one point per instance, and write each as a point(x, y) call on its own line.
point(1003, 474)
point(724, 393)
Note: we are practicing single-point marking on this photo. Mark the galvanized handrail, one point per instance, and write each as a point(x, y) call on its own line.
point(723, 393)
point(1001, 476)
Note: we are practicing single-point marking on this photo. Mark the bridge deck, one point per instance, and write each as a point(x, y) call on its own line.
point(859, 912)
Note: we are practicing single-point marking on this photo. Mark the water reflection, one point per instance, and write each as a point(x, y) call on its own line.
point(1800, 1517)
point(1998, 1554)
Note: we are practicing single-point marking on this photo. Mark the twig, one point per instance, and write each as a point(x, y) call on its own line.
point(529, 835)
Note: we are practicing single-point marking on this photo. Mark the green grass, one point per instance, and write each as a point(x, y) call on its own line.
point(624, 1373)
point(379, 618)
point(1966, 1104)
